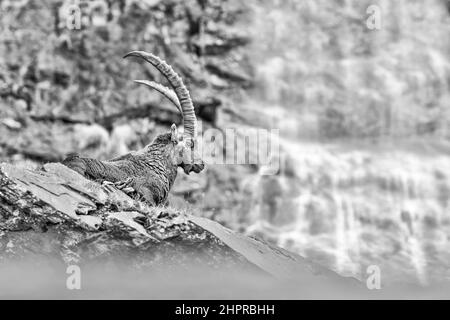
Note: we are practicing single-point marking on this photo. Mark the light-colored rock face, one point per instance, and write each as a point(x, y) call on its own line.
point(320, 58)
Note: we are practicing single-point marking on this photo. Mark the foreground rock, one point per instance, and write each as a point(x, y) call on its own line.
point(58, 215)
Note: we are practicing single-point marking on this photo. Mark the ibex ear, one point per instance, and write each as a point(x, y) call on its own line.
point(174, 133)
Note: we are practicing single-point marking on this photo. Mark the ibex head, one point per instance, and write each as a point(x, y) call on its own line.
point(183, 155)
point(183, 148)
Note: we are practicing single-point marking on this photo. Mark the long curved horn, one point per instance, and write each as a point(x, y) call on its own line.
point(187, 107)
point(166, 92)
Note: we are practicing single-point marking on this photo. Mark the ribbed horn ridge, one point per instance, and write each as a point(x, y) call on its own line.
point(184, 98)
point(166, 92)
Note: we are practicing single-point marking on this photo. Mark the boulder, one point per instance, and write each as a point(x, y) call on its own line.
point(54, 214)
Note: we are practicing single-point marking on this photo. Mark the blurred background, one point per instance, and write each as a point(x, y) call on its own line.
point(362, 106)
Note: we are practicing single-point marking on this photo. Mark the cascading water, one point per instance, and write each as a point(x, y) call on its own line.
point(366, 168)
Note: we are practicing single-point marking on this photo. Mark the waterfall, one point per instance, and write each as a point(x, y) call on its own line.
point(361, 115)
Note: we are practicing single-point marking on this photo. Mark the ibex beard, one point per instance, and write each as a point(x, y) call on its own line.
point(150, 172)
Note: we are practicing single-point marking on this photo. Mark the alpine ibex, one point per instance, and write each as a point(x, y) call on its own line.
point(151, 171)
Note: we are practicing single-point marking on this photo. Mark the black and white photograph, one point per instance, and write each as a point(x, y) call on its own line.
point(223, 156)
